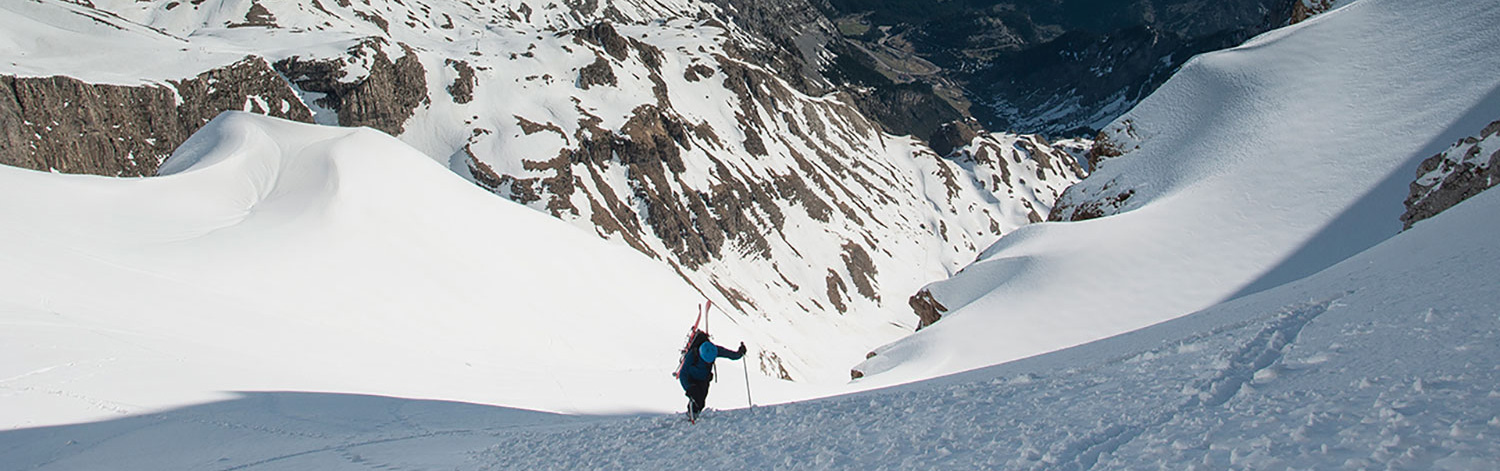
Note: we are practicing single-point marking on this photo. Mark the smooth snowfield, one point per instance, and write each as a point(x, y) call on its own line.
point(1255, 166)
point(1384, 361)
point(283, 256)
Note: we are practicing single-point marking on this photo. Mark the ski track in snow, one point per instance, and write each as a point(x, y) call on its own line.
point(1139, 410)
point(793, 436)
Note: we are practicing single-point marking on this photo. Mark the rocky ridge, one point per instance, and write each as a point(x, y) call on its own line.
point(1468, 167)
point(62, 124)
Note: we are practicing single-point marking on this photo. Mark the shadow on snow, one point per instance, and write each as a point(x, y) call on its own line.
point(293, 430)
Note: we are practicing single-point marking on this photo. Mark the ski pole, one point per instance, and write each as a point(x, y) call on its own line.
point(747, 384)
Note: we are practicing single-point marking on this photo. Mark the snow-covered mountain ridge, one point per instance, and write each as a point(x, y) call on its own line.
point(1252, 167)
point(682, 129)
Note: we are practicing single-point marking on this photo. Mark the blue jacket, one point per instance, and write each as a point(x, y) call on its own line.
point(695, 369)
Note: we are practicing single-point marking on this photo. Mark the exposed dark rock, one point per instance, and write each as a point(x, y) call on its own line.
point(462, 89)
point(753, 144)
point(597, 73)
point(487, 178)
point(793, 188)
point(1092, 209)
point(249, 85)
point(603, 34)
point(1446, 179)
point(65, 125)
point(383, 100)
point(862, 270)
point(374, 19)
point(837, 291)
point(770, 364)
point(928, 309)
point(529, 127)
point(698, 72)
point(953, 135)
point(1304, 9)
point(1106, 147)
point(651, 56)
point(257, 16)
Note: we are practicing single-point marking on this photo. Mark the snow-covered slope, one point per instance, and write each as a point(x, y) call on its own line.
point(670, 126)
point(1384, 361)
point(1252, 167)
point(285, 256)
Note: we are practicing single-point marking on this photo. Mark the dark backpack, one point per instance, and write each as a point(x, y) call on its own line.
point(690, 353)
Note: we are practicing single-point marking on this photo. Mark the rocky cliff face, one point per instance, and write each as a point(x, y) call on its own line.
point(383, 97)
point(65, 125)
point(1446, 179)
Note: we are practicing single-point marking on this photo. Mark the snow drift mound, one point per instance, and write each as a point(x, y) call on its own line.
point(282, 256)
point(1252, 167)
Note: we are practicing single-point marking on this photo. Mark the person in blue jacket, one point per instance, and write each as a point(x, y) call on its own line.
point(697, 369)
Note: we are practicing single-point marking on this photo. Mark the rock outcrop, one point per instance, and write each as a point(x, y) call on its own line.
point(1304, 9)
point(66, 125)
point(384, 98)
point(928, 309)
point(462, 88)
point(1446, 179)
point(1084, 202)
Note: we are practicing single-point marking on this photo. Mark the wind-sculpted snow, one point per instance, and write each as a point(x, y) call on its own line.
point(283, 256)
point(1384, 361)
point(698, 133)
point(1251, 168)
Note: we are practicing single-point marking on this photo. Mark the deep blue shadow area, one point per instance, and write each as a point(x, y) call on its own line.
point(1376, 216)
point(277, 430)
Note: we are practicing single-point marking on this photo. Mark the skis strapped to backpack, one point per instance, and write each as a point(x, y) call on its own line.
point(688, 345)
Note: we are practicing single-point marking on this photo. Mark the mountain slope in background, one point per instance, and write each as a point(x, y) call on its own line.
point(1252, 167)
point(695, 132)
point(1050, 67)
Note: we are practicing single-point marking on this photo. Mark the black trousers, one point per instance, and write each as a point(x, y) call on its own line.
point(697, 394)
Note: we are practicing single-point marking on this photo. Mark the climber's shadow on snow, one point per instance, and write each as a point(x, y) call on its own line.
point(275, 430)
